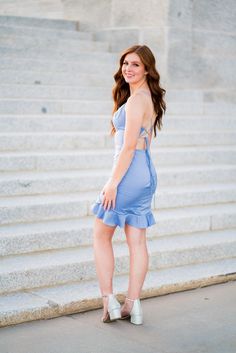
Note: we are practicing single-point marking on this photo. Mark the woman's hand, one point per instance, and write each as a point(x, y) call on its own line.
point(109, 192)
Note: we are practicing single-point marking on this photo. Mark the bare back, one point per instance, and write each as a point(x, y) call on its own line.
point(148, 120)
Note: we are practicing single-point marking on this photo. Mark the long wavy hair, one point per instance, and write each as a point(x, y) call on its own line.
point(121, 91)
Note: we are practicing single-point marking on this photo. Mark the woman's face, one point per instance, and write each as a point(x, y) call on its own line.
point(133, 70)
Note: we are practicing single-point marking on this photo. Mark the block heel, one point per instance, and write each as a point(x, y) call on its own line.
point(136, 313)
point(136, 319)
point(114, 312)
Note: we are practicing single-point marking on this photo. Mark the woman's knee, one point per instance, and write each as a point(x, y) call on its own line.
point(135, 237)
point(102, 231)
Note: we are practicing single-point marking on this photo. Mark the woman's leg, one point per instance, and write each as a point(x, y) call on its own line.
point(139, 260)
point(104, 257)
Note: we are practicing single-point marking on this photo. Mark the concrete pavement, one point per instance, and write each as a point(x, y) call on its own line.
point(202, 320)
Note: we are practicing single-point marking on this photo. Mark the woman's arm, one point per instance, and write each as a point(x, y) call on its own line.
point(135, 110)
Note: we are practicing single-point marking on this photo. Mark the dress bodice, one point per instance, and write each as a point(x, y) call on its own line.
point(119, 123)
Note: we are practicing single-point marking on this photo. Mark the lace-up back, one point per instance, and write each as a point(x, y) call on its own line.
point(146, 133)
point(118, 119)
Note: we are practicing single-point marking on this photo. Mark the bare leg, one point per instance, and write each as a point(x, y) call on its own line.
point(104, 257)
point(139, 259)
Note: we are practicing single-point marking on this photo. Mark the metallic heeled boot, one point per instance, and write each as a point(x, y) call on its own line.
point(136, 313)
point(113, 308)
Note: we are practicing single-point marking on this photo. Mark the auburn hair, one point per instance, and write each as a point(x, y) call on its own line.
point(121, 91)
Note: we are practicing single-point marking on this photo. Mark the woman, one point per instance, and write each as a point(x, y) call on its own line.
point(125, 200)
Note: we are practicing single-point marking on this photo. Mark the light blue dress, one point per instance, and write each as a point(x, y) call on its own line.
point(137, 187)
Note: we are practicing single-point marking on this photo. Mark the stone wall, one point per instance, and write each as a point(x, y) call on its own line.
point(202, 46)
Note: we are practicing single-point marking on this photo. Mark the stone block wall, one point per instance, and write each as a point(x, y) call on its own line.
point(202, 46)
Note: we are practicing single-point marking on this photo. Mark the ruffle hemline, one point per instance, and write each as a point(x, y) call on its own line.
point(112, 218)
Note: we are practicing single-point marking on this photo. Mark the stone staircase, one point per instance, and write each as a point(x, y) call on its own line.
point(56, 154)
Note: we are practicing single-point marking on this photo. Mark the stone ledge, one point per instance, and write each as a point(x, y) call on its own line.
point(73, 298)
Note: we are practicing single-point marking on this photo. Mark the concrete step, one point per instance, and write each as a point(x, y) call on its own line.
point(51, 268)
point(47, 92)
point(18, 106)
point(66, 141)
point(40, 44)
point(98, 62)
point(17, 21)
point(198, 194)
point(200, 122)
point(22, 77)
point(36, 208)
point(57, 55)
point(97, 159)
point(80, 296)
point(97, 122)
point(81, 106)
point(36, 182)
point(69, 78)
point(70, 233)
point(37, 32)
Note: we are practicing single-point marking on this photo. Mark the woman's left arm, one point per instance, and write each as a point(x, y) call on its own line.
point(135, 109)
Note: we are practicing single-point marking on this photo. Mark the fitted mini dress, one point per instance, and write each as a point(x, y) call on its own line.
point(137, 187)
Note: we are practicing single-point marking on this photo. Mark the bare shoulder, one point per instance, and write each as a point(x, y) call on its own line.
point(137, 103)
point(138, 98)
